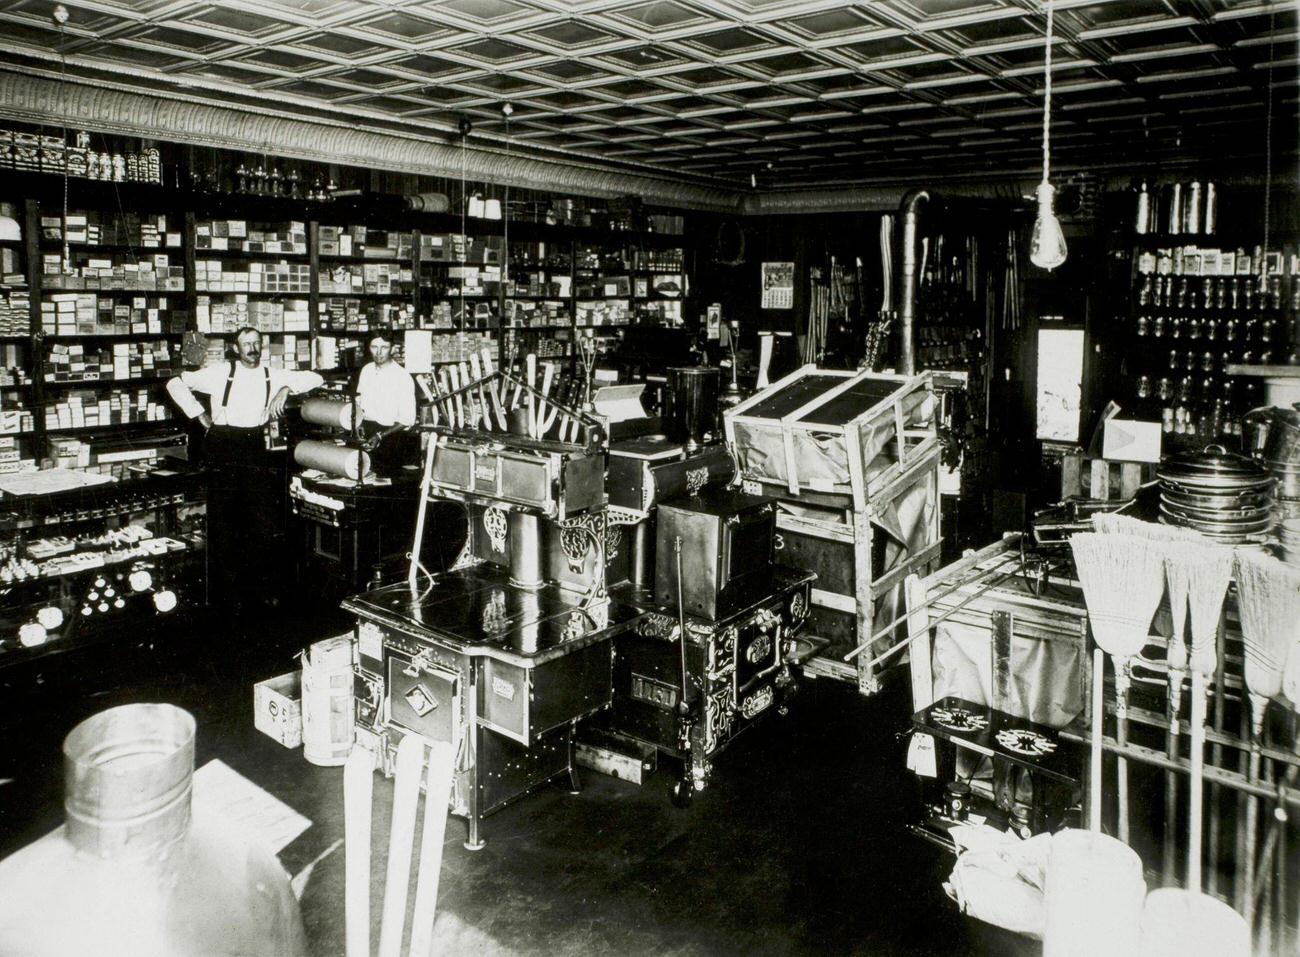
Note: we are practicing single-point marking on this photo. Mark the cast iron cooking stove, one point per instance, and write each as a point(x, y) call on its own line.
point(504, 672)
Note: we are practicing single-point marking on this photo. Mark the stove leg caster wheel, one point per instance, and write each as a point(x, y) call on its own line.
point(683, 793)
point(475, 846)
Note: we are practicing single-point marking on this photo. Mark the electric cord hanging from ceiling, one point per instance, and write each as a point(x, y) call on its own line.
point(61, 18)
point(1047, 248)
point(1268, 150)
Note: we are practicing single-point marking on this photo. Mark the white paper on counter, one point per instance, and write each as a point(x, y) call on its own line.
point(222, 790)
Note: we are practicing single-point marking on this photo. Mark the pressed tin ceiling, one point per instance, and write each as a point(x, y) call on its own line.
point(793, 93)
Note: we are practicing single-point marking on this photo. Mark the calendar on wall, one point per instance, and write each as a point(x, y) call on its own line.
point(778, 286)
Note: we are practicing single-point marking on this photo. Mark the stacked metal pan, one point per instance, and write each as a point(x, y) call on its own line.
point(1288, 539)
point(1273, 435)
point(1223, 496)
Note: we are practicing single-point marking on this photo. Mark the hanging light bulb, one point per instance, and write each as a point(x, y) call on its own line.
point(1047, 243)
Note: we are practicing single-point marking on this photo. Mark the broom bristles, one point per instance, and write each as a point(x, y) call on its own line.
point(1268, 600)
point(1111, 523)
point(1209, 569)
point(1170, 538)
point(1291, 674)
point(1123, 579)
point(1180, 586)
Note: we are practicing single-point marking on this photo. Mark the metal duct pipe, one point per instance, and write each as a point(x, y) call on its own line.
point(907, 287)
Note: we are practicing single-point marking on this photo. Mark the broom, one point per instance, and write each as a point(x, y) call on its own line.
point(1208, 569)
point(1268, 600)
point(1123, 580)
point(1176, 653)
point(1113, 523)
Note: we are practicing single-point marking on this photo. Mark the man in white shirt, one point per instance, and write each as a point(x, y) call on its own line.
point(246, 494)
point(386, 407)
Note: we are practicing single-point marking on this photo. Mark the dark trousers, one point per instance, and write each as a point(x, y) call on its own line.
point(394, 450)
point(245, 519)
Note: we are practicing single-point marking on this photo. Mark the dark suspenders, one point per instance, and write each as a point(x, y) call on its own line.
point(230, 382)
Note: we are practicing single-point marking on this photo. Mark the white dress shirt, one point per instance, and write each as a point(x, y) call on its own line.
point(246, 406)
point(386, 394)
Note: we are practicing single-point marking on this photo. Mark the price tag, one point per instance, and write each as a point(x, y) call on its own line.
point(921, 757)
point(370, 641)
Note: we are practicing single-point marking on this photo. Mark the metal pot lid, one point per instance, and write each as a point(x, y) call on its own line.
point(1214, 467)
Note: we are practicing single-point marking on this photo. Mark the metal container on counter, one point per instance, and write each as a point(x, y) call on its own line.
point(137, 870)
point(693, 404)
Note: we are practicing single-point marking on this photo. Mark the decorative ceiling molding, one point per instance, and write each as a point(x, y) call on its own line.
point(105, 108)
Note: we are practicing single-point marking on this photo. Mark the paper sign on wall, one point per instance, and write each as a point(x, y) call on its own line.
point(778, 286)
point(417, 350)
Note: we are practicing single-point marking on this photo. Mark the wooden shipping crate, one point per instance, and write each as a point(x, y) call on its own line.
point(834, 432)
point(1102, 479)
point(853, 459)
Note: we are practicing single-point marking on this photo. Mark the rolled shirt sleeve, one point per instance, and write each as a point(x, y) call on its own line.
point(297, 380)
point(207, 380)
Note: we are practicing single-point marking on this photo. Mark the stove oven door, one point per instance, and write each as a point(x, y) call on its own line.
point(423, 699)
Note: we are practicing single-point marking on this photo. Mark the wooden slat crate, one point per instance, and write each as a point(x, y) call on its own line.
point(1102, 479)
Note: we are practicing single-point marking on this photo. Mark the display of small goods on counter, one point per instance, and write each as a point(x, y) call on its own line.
point(84, 556)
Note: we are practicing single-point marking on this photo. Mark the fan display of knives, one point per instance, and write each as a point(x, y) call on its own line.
point(545, 398)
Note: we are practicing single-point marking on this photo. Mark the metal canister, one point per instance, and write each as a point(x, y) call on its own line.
point(957, 800)
point(1210, 220)
point(1192, 208)
point(1174, 208)
point(1142, 217)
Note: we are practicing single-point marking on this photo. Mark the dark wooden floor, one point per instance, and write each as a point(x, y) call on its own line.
point(798, 847)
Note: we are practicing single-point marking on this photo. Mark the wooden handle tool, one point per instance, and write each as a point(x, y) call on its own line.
point(401, 841)
point(437, 791)
point(358, 794)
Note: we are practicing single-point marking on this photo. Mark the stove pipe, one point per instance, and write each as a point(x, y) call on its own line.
point(907, 287)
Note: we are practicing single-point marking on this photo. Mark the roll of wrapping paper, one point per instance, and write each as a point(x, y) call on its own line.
point(331, 412)
point(331, 458)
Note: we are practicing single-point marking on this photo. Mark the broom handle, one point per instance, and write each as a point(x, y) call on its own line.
point(1266, 924)
point(1122, 675)
point(1247, 866)
point(1098, 708)
point(1216, 760)
point(1170, 877)
point(1280, 877)
point(1194, 782)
